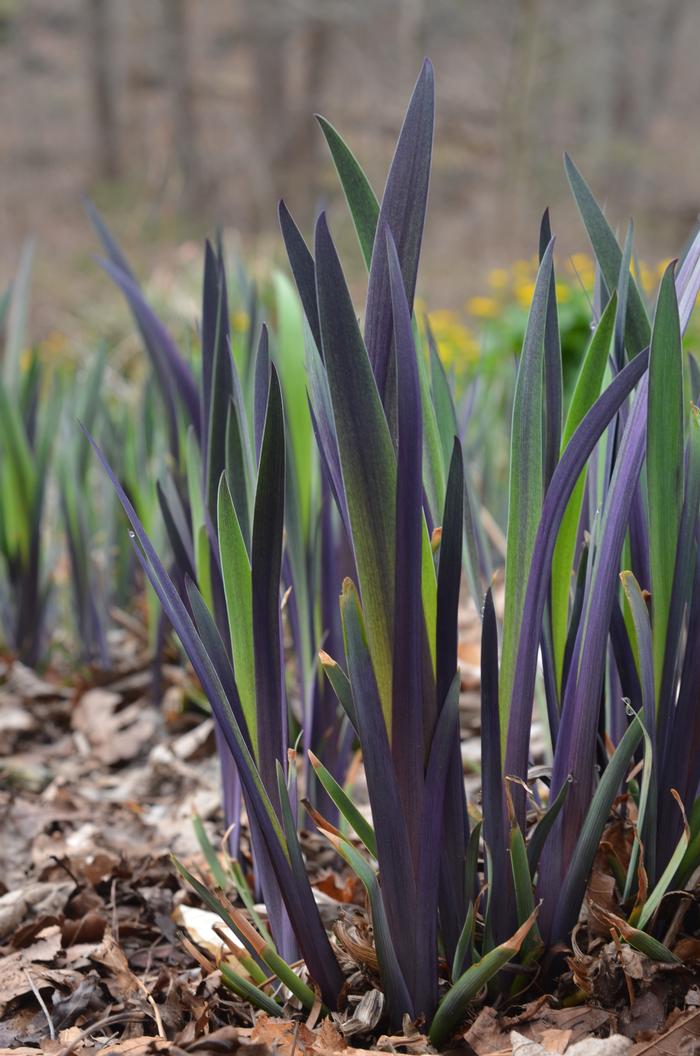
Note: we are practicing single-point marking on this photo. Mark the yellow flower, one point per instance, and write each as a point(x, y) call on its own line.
point(524, 268)
point(581, 265)
point(646, 277)
point(442, 317)
point(240, 322)
point(563, 293)
point(456, 343)
point(523, 293)
point(482, 307)
point(580, 262)
point(498, 278)
point(54, 343)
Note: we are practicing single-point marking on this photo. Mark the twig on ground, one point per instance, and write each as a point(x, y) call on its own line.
point(44, 1009)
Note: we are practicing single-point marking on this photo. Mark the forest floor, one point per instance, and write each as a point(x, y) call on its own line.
point(98, 786)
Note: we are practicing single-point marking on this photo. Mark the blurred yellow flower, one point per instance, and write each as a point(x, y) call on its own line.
point(455, 342)
point(523, 293)
point(442, 317)
point(498, 278)
point(54, 343)
point(483, 307)
point(581, 262)
point(525, 268)
point(646, 277)
point(582, 266)
point(563, 292)
point(240, 322)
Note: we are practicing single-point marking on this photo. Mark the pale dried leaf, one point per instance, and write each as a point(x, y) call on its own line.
point(199, 925)
point(613, 1046)
point(555, 1039)
point(114, 733)
point(365, 1016)
point(44, 899)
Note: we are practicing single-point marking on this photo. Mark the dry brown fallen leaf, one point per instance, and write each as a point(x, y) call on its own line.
point(226, 1040)
point(25, 683)
point(20, 969)
point(555, 1039)
point(43, 898)
point(143, 1046)
point(115, 733)
point(681, 1039)
point(121, 982)
point(281, 1034)
point(489, 1034)
point(328, 1038)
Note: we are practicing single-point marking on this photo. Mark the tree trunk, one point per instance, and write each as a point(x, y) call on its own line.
point(101, 73)
point(182, 108)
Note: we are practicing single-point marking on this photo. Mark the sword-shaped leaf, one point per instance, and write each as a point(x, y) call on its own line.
point(393, 844)
point(454, 1004)
point(217, 373)
point(494, 805)
point(542, 829)
point(586, 392)
point(268, 523)
point(236, 576)
point(563, 481)
point(665, 461)
point(568, 895)
point(347, 808)
point(526, 480)
point(17, 316)
point(642, 646)
point(298, 898)
point(393, 981)
point(173, 372)
point(407, 677)
point(609, 257)
point(361, 199)
point(403, 211)
point(366, 456)
point(303, 269)
point(449, 575)
point(553, 392)
point(576, 739)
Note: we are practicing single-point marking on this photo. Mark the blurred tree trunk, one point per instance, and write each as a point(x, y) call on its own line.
point(102, 93)
point(671, 15)
point(516, 113)
point(181, 97)
point(268, 35)
point(412, 25)
point(304, 139)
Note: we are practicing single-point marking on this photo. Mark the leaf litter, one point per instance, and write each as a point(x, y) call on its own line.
point(97, 788)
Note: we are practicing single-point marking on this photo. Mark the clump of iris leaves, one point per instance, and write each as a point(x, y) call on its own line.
point(326, 460)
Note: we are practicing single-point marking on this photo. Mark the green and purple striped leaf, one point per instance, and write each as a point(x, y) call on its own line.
point(402, 210)
point(366, 456)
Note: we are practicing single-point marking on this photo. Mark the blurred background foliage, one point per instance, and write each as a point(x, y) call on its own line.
point(176, 116)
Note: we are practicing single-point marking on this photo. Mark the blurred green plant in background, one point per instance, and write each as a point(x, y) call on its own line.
point(490, 329)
